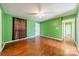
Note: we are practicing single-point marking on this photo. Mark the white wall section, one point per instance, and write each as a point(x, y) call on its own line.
point(37, 29)
point(77, 30)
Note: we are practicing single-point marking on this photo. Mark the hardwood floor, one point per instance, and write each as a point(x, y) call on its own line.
point(39, 46)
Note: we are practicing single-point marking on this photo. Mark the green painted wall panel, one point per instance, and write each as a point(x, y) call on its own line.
point(30, 28)
point(53, 27)
point(7, 27)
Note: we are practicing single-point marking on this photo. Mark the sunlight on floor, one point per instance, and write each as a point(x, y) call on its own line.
point(70, 50)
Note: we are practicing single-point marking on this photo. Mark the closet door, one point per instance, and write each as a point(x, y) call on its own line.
point(16, 28)
point(19, 28)
point(22, 30)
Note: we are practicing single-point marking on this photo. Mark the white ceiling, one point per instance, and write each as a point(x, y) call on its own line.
point(51, 10)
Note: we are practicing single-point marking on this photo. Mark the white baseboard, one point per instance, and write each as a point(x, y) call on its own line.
point(2, 47)
point(31, 37)
point(20, 39)
point(52, 37)
point(77, 47)
point(15, 41)
point(28, 38)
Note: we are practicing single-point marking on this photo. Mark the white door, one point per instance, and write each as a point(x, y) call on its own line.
point(37, 29)
point(0, 31)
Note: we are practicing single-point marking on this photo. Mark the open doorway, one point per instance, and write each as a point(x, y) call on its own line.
point(37, 29)
point(68, 35)
point(68, 31)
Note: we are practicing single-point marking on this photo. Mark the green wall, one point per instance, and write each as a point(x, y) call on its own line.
point(53, 27)
point(0, 28)
point(7, 27)
point(30, 28)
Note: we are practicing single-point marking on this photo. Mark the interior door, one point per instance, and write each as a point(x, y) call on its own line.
point(19, 28)
point(22, 30)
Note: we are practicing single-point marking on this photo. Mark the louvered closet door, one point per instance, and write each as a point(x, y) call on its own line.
point(22, 30)
point(19, 28)
point(16, 28)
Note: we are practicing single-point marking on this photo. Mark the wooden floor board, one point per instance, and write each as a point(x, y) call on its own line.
point(39, 46)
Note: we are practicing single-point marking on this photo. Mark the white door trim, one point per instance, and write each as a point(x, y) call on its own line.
point(0, 30)
point(73, 27)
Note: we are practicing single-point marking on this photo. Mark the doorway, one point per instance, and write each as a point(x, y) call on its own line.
point(19, 28)
point(68, 35)
point(68, 28)
point(37, 29)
